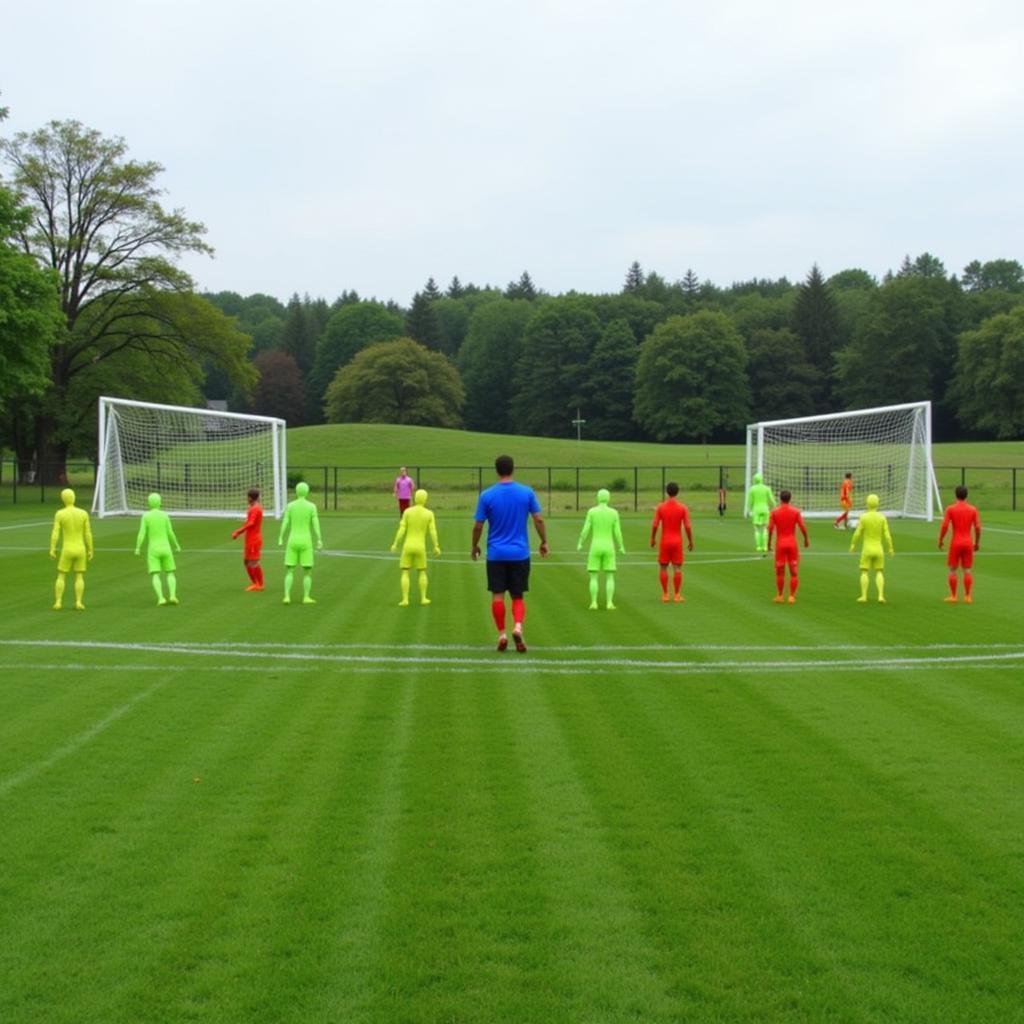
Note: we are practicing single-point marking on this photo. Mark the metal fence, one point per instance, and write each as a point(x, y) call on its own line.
point(560, 488)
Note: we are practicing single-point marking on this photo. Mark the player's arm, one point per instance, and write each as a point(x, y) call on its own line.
point(977, 531)
point(542, 532)
point(55, 535)
point(171, 537)
point(87, 532)
point(315, 523)
point(474, 548)
point(856, 535)
point(771, 530)
point(689, 532)
point(285, 524)
point(654, 526)
point(432, 526)
point(585, 532)
point(142, 535)
point(888, 536)
point(945, 526)
point(803, 530)
point(400, 533)
point(617, 533)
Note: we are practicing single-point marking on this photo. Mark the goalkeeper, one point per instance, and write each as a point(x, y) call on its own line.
point(416, 522)
point(760, 502)
point(72, 530)
point(874, 529)
point(156, 530)
point(302, 524)
point(605, 531)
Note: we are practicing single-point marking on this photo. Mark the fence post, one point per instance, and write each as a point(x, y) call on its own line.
point(577, 488)
point(335, 488)
point(1014, 489)
point(963, 476)
point(636, 488)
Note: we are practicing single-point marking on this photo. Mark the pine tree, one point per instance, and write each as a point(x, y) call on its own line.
point(423, 324)
point(521, 289)
point(430, 289)
point(634, 279)
point(816, 323)
point(455, 289)
point(690, 285)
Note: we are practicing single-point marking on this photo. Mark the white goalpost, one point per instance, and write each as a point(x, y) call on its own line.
point(888, 450)
point(201, 461)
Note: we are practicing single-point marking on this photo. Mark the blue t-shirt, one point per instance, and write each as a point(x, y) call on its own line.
point(506, 507)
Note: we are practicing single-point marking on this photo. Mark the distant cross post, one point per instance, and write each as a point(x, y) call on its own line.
point(578, 423)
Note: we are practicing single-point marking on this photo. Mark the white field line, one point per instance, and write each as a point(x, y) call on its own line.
point(25, 526)
point(593, 665)
point(30, 771)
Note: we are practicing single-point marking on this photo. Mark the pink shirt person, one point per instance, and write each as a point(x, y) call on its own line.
point(404, 488)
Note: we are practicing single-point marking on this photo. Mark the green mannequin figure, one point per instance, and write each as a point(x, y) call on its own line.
point(302, 524)
point(874, 529)
point(603, 527)
point(157, 530)
point(416, 522)
point(760, 502)
point(71, 524)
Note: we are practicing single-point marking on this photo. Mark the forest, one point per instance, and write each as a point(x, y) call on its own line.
point(93, 301)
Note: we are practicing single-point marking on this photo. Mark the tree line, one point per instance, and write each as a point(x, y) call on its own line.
point(92, 301)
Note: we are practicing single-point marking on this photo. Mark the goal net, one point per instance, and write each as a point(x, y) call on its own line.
point(888, 450)
point(202, 462)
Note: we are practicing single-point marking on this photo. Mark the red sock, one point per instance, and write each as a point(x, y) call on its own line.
point(258, 569)
point(780, 580)
point(663, 576)
point(952, 584)
point(794, 582)
point(518, 610)
point(251, 570)
point(677, 581)
point(498, 611)
point(968, 583)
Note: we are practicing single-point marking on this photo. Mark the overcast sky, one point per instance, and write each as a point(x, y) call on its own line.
point(331, 146)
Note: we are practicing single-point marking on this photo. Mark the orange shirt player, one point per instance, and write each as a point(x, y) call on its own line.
point(253, 530)
point(783, 521)
point(963, 517)
point(845, 503)
point(673, 517)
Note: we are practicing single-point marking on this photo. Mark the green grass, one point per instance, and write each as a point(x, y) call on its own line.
point(724, 810)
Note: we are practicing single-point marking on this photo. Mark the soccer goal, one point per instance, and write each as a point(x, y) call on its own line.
point(888, 450)
point(202, 462)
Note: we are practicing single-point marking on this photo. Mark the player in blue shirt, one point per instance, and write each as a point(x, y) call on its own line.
point(506, 507)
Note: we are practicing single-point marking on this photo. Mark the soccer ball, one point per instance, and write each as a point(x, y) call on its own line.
point(853, 523)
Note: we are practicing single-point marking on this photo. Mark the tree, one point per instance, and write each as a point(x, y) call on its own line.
point(1007, 275)
point(455, 289)
point(691, 378)
point(423, 324)
point(97, 222)
point(430, 289)
point(691, 285)
point(349, 330)
point(279, 389)
point(634, 279)
point(521, 289)
point(301, 333)
point(30, 314)
point(783, 384)
point(608, 392)
point(453, 318)
point(988, 388)
point(551, 375)
point(816, 324)
point(487, 360)
point(397, 381)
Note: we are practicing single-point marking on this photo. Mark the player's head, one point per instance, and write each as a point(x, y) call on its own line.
point(758, 478)
point(961, 493)
point(873, 501)
point(604, 496)
point(784, 497)
point(153, 500)
point(301, 489)
point(672, 488)
point(421, 497)
point(67, 496)
point(402, 471)
point(504, 465)
point(849, 476)
point(254, 494)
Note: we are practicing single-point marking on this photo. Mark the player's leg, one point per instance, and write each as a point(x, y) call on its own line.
point(404, 587)
point(794, 577)
point(967, 564)
point(594, 586)
point(663, 579)
point(307, 584)
point(609, 590)
point(677, 581)
point(79, 591)
point(172, 588)
point(58, 591)
point(158, 587)
point(519, 584)
point(880, 585)
point(422, 583)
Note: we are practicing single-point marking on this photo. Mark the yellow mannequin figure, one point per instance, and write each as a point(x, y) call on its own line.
point(71, 524)
point(874, 529)
point(417, 521)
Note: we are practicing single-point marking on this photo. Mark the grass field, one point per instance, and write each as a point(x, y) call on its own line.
point(723, 810)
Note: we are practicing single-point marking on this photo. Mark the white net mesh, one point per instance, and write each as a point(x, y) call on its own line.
point(888, 451)
point(201, 462)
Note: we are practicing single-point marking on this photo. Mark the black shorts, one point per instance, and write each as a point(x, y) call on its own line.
point(511, 576)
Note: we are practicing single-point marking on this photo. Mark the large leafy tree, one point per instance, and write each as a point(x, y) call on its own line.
point(279, 389)
point(351, 328)
point(783, 383)
point(30, 316)
point(550, 383)
point(988, 389)
point(608, 398)
point(487, 360)
point(97, 222)
point(397, 381)
point(691, 378)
